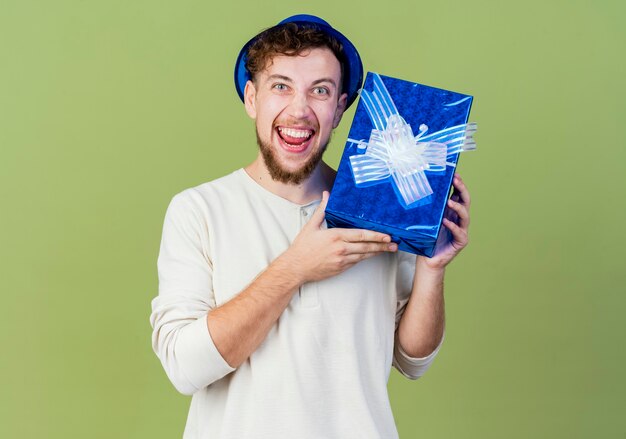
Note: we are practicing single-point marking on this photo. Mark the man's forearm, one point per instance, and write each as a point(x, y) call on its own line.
point(421, 327)
point(240, 325)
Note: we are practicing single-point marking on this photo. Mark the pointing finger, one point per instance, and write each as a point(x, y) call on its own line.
point(362, 235)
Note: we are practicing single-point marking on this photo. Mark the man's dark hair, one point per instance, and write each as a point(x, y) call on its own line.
point(290, 39)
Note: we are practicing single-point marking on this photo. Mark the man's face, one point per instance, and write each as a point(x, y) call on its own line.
point(296, 104)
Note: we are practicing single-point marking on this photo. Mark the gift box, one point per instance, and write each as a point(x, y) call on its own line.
point(399, 160)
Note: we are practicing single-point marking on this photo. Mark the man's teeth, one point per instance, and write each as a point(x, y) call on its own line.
point(291, 132)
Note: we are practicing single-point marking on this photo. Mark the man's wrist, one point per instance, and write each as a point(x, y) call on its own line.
point(284, 267)
point(424, 267)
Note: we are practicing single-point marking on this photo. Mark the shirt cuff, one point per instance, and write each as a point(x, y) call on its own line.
point(203, 364)
point(413, 367)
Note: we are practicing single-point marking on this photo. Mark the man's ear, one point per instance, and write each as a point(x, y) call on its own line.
point(249, 99)
point(341, 107)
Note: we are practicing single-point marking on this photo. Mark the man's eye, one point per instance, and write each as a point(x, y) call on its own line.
point(280, 87)
point(321, 91)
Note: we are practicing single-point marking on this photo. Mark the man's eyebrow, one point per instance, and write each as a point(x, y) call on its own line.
point(281, 77)
point(331, 80)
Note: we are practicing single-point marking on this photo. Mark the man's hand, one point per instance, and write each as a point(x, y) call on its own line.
point(318, 253)
point(240, 325)
point(456, 220)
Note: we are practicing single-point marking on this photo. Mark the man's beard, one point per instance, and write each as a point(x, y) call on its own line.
point(282, 175)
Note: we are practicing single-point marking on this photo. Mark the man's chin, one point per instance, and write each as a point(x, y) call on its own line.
point(288, 176)
point(280, 173)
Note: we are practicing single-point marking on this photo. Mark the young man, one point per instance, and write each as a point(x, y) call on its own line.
point(278, 326)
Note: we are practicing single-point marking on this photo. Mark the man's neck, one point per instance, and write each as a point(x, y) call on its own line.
point(307, 191)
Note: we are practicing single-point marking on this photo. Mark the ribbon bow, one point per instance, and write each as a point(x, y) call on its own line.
point(393, 151)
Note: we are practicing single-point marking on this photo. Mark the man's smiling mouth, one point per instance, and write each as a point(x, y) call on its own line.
point(294, 136)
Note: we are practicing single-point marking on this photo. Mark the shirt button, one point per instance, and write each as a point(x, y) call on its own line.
point(304, 213)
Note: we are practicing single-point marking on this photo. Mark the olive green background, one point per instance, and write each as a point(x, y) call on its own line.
point(109, 108)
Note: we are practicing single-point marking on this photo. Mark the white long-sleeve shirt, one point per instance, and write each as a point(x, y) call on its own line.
point(322, 371)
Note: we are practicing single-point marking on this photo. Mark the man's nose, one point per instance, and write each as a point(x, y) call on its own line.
point(299, 106)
